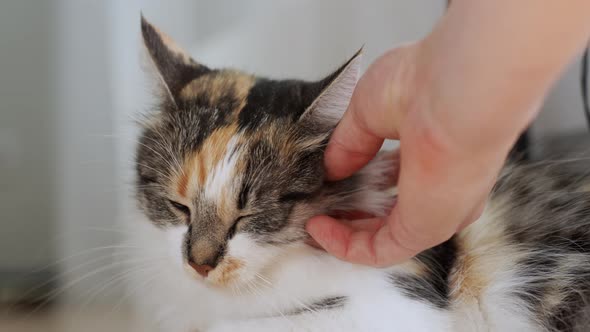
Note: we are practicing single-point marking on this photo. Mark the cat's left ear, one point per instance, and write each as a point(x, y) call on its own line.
point(329, 106)
point(174, 66)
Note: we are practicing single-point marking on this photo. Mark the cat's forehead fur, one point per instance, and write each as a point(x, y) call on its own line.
point(211, 104)
point(218, 88)
point(227, 125)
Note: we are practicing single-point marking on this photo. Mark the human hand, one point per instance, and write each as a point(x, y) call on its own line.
point(457, 102)
point(441, 187)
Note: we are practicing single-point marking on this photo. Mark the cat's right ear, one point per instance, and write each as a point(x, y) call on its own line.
point(174, 66)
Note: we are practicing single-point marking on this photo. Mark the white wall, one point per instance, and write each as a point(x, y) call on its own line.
point(87, 181)
point(27, 135)
point(563, 111)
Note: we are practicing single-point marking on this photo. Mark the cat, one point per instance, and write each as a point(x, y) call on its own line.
point(229, 169)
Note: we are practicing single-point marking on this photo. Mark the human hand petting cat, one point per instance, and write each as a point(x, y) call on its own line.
point(457, 102)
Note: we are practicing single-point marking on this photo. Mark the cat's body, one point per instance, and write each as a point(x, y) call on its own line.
point(229, 169)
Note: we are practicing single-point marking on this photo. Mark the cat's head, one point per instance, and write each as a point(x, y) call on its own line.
point(231, 164)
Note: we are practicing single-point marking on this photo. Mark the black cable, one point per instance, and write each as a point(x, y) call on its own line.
point(584, 87)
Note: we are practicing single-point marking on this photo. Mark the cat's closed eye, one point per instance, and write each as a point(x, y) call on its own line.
point(181, 208)
point(295, 196)
point(232, 231)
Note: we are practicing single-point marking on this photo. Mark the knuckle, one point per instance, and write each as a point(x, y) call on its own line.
point(414, 239)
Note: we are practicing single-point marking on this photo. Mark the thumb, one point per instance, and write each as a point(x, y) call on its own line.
point(368, 242)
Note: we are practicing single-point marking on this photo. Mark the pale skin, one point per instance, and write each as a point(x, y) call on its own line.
point(457, 101)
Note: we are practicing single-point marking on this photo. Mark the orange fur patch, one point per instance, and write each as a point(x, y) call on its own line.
point(483, 252)
point(468, 281)
point(226, 271)
point(215, 147)
point(414, 267)
point(217, 85)
point(198, 166)
point(183, 182)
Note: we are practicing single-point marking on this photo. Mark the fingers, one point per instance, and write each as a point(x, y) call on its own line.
point(440, 191)
point(356, 220)
point(352, 145)
point(353, 216)
point(365, 242)
point(374, 113)
point(368, 224)
point(376, 241)
point(330, 235)
point(353, 221)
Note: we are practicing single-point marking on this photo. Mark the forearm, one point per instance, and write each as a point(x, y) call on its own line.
point(491, 63)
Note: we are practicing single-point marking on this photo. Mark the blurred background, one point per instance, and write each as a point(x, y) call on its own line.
point(71, 83)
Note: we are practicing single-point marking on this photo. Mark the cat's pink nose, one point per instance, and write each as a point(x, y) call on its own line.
point(203, 270)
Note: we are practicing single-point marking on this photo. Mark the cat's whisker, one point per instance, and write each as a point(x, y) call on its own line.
point(151, 186)
point(145, 266)
point(257, 275)
point(86, 252)
point(176, 167)
point(59, 277)
point(159, 172)
point(234, 290)
point(258, 295)
point(106, 229)
point(293, 298)
point(81, 231)
point(136, 289)
point(171, 167)
point(173, 155)
point(55, 293)
point(115, 264)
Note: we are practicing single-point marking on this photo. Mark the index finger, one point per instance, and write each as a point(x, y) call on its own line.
point(374, 113)
point(350, 148)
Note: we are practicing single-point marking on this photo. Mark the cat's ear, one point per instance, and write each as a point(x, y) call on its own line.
point(174, 66)
point(329, 106)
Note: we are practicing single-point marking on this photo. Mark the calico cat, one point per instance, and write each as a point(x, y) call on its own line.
point(229, 169)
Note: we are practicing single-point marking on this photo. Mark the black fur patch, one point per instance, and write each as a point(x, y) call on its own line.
point(270, 100)
point(226, 103)
point(329, 303)
point(287, 99)
point(433, 286)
